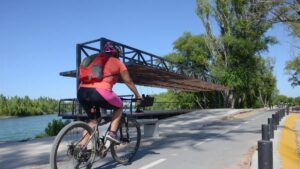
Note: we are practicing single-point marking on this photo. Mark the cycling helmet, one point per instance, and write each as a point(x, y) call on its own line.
point(112, 50)
point(119, 51)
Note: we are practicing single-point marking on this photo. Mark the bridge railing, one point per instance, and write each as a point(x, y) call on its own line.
point(70, 108)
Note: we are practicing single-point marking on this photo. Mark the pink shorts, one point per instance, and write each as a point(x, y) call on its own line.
point(110, 97)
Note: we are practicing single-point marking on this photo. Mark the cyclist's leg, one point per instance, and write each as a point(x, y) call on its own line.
point(87, 99)
point(116, 119)
point(109, 100)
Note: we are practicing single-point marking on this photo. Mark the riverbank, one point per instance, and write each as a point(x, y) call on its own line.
point(27, 115)
point(24, 128)
point(7, 117)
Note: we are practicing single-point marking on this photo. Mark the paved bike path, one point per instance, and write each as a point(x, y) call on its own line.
point(191, 143)
point(35, 153)
point(21, 155)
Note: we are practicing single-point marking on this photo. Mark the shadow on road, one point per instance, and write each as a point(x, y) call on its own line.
point(140, 154)
point(185, 133)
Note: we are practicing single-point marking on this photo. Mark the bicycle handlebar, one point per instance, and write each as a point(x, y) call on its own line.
point(131, 99)
point(145, 101)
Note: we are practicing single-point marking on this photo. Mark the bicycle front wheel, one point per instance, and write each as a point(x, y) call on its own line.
point(66, 151)
point(129, 134)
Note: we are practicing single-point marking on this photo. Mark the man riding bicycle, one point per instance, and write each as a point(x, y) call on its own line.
point(96, 95)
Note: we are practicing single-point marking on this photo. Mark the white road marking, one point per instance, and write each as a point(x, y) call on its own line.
point(198, 144)
point(225, 132)
point(153, 163)
point(236, 127)
point(206, 140)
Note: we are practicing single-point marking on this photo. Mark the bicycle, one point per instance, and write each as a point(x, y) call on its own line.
point(66, 148)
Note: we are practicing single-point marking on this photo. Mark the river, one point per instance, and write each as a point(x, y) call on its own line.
point(22, 128)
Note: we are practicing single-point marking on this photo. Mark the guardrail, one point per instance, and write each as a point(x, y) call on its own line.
point(265, 145)
point(70, 108)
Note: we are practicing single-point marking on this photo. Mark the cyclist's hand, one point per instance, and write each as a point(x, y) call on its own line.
point(138, 104)
point(138, 101)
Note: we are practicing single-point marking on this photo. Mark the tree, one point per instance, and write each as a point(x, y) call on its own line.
point(235, 48)
point(292, 68)
point(191, 51)
point(289, 14)
point(3, 105)
point(18, 106)
point(297, 101)
point(266, 82)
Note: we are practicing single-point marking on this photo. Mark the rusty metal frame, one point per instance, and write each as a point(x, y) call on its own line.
point(131, 56)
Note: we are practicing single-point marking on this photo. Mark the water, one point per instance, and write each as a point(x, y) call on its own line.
point(21, 128)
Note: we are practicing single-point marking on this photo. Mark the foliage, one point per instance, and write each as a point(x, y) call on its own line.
point(289, 14)
point(173, 100)
point(235, 50)
point(176, 100)
point(295, 28)
point(190, 51)
point(18, 106)
point(55, 126)
point(292, 68)
point(280, 99)
point(41, 135)
point(297, 101)
point(232, 54)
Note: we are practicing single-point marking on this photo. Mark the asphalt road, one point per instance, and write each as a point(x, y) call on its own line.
point(197, 140)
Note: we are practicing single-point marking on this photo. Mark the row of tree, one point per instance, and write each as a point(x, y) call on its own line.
point(24, 106)
point(231, 50)
point(186, 100)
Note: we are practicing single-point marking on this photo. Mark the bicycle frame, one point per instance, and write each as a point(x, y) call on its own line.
point(100, 141)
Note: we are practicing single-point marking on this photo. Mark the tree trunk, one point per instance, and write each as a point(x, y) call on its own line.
point(226, 95)
point(232, 99)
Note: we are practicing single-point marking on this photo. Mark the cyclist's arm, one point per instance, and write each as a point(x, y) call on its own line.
point(127, 80)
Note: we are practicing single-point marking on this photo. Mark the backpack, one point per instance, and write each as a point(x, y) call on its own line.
point(91, 68)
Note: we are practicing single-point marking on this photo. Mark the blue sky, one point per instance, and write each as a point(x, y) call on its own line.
point(38, 39)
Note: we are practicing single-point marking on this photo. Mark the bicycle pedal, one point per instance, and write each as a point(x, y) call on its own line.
point(116, 144)
point(103, 153)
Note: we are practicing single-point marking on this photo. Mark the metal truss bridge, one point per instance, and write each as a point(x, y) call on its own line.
point(147, 69)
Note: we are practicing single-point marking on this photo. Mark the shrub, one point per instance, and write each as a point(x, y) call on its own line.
point(55, 126)
point(258, 104)
point(41, 135)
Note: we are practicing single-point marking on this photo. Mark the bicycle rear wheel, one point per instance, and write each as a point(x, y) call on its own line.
point(129, 134)
point(66, 151)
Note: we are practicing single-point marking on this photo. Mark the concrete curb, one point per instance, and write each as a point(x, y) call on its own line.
point(297, 128)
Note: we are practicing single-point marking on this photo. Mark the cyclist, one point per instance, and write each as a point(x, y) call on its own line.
point(94, 95)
